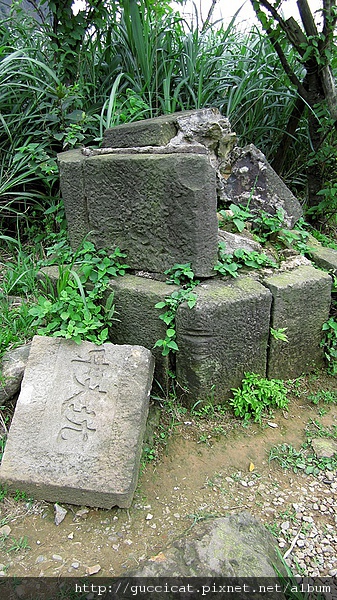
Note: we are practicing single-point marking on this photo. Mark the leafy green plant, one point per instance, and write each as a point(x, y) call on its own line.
point(301, 460)
point(75, 308)
point(329, 344)
point(180, 275)
point(258, 395)
point(279, 334)
point(236, 214)
point(324, 396)
point(229, 264)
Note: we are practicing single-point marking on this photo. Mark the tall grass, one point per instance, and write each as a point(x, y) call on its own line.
point(137, 64)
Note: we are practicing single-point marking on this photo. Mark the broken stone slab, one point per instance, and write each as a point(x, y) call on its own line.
point(224, 335)
point(12, 369)
point(77, 431)
point(160, 209)
point(205, 126)
point(301, 303)
point(254, 182)
point(233, 546)
point(323, 447)
point(138, 319)
point(235, 241)
point(325, 258)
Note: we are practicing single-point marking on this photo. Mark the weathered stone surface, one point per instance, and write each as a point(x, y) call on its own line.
point(234, 546)
point(301, 302)
point(77, 431)
point(149, 132)
point(160, 209)
point(71, 167)
point(326, 258)
point(224, 335)
point(205, 126)
point(138, 319)
point(12, 369)
point(234, 241)
point(324, 448)
point(253, 180)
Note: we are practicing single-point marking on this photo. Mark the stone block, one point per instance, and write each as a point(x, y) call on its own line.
point(160, 209)
point(148, 132)
point(254, 181)
point(325, 258)
point(301, 302)
point(77, 431)
point(138, 319)
point(71, 167)
point(222, 337)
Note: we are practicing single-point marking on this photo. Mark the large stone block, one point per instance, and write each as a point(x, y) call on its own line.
point(138, 319)
point(253, 181)
point(301, 302)
point(325, 258)
point(160, 209)
point(71, 167)
point(222, 337)
point(77, 431)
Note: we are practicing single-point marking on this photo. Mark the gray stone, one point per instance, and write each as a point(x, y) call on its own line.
point(149, 132)
point(234, 241)
point(324, 448)
point(252, 180)
point(160, 209)
point(301, 303)
point(222, 337)
point(12, 370)
point(205, 126)
point(234, 546)
point(325, 258)
point(60, 514)
point(138, 319)
point(76, 435)
point(71, 166)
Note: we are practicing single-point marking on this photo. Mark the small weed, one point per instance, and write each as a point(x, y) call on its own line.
point(258, 395)
point(179, 275)
point(324, 396)
point(18, 496)
point(229, 264)
point(301, 460)
point(279, 334)
point(316, 429)
point(329, 344)
point(3, 493)
point(19, 544)
point(238, 215)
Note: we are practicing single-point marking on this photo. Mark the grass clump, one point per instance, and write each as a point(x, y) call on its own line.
point(258, 396)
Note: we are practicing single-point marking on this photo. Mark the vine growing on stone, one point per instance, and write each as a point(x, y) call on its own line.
point(182, 275)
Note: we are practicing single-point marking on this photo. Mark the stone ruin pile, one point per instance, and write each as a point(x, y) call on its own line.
point(153, 190)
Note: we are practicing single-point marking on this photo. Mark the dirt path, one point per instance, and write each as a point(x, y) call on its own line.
point(200, 473)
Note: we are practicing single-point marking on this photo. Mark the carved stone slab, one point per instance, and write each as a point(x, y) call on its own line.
point(77, 431)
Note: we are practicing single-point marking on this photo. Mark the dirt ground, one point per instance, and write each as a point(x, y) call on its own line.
point(203, 468)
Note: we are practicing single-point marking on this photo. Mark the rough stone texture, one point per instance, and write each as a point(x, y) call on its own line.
point(205, 126)
point(324, 448)
point(12, 369)
point(234, 546)
point(222, 337)
point(325, 258)
point(149, 132)
point(161, 209)
point(253, 180)
point(234, 241)
point(71, 166)
point(77, 431)
point(138, 319)
point(301, 302)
